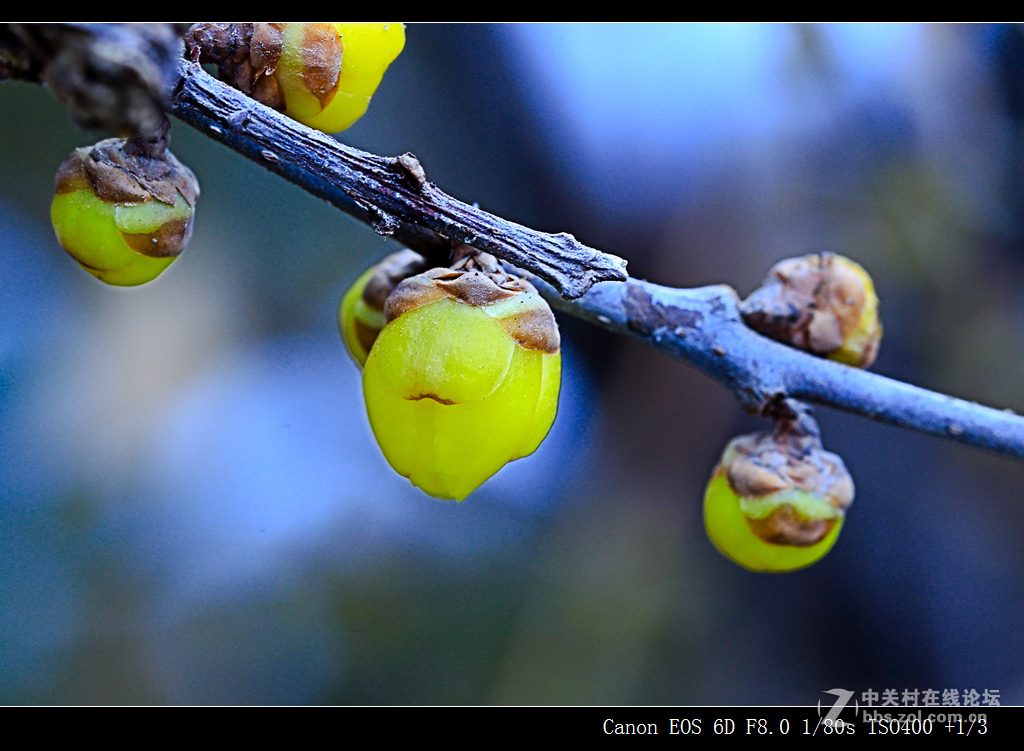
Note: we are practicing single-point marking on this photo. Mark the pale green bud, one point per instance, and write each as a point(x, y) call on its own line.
point(124, 219)
point(776, 502)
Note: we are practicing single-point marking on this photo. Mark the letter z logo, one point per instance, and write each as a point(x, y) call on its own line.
point(842, 697)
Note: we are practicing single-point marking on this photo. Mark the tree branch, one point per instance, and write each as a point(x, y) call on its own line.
point(385, 192)
point(703, 327)
point(700, 326)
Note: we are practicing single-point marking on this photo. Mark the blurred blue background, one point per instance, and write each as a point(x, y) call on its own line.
point(193, 508)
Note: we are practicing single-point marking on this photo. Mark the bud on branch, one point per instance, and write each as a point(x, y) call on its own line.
point(701, 326)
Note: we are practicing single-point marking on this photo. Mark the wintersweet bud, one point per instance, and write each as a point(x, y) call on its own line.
point(123, 216)
point(821, 303)
point(464, 376)
point(777, 500)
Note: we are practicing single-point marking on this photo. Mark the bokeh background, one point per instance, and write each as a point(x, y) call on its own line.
point(193, 508)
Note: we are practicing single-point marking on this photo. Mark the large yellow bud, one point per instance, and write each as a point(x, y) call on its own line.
point(463, 378)
point(326, 97)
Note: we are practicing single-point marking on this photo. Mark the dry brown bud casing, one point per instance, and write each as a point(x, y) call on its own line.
point(479, 280)
point(762, 465)
point(821, 303)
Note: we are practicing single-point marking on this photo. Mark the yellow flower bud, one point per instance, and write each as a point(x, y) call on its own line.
point(463, 378)
point(776, 501)
point(329, 95)
point(821, 303)
point(361, 313)
point(321, 74)
point(123, 218)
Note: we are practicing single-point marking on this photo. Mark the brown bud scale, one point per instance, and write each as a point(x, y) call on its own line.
point(322, 50)
point(169, 240)
point(476, 278)
point(115, 176)
point(785, 527)
point(392, 270)
point(769, 465)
